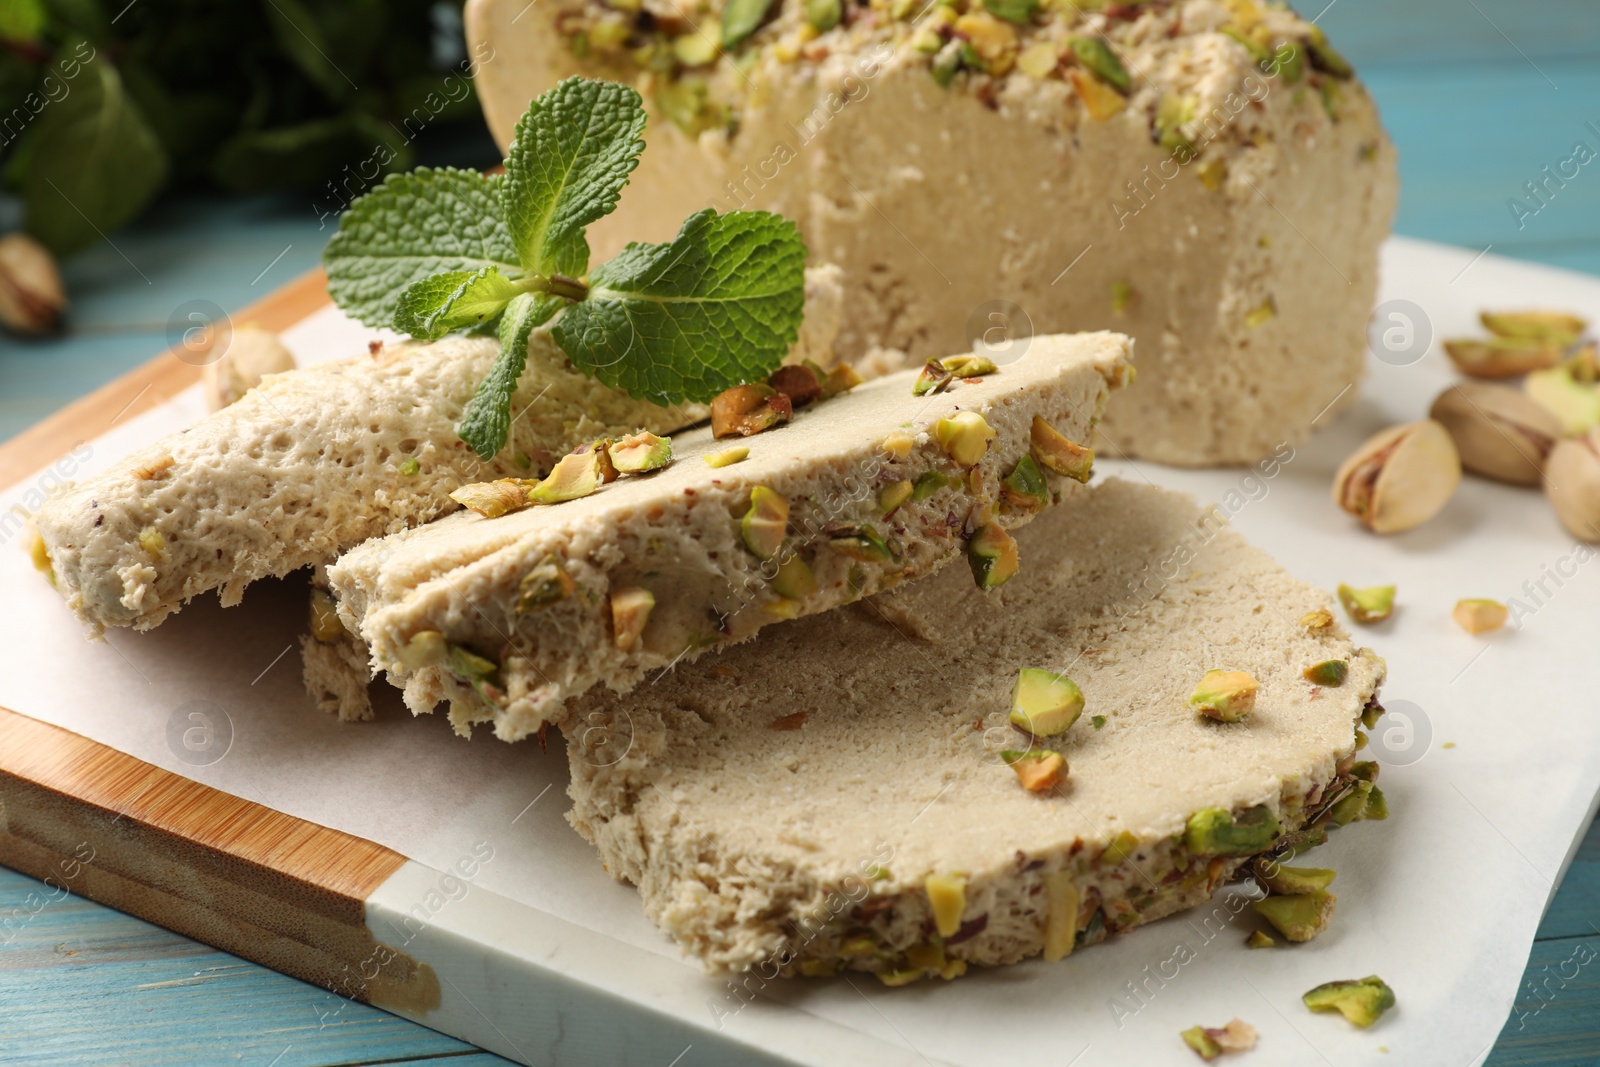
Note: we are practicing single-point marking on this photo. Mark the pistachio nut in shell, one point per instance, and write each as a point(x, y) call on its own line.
point(1499, 432)
point(1400, 477)
point(32, 298)
point(1572, 482)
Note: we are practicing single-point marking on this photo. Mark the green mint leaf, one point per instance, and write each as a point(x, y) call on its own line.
point(719, 304)
point(486, 424)
point(412, 227)
point(572, 154)
point(741, 18)
point(92, 162)
point(452, 301)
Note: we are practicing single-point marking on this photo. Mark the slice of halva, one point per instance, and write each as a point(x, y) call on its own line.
point(833, 795)
point(509, 617)
point(314, 461)
point(1206, 176)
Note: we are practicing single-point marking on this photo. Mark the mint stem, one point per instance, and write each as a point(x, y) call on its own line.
point(571, 288)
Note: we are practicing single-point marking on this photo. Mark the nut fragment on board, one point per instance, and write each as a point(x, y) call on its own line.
point(249, 353)
point(1572, 482)
point(1480, 616)
point(1400, 477)
point(1498, 432)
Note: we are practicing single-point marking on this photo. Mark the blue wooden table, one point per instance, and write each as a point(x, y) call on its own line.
point(1480, 95)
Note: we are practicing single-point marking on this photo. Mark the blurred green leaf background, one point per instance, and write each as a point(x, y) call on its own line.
point(106, 103)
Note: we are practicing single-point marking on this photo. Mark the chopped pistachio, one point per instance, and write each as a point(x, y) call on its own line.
point(1061, 921)
point(932, 379)
point(1560, 326)
point(947, 897)
point(1173, 113)
point(496, 498)
point(546, 584)
point(1299, 917)
point(1480, 616)
point(1502, 357)
point(899, 445)
point(575, 475)
point(727, 457)
point(1095, 56)
point(1325, 57)
point(1121, 297)
point(1364, 801)
point(422, 649)
point(409, 466)
point(818, 968)
point(694, 49)
point(1200, 1041)
point(893, 495)
point(1575, 404)
point(1100, 100)
point(766, 523)
point(745, 410)
point(1373, 604)
point(1227, 696)
point(1038, 769)
point(1371, 713)
point(861, 542)
point(857, 946)
point(1018, 11)
point(783, 608)
point(1259, 939)
point(1024, 488)
point(1330, 672)
point(152, 541)
point(1287, 881)
point(840, 379)
point(1320, 619)
point(1212, 173)
point(992, 42)
point(325, 624)
point(1122, 847)
point(794, 579)
point(822, 15)
point(992, 555)
point(1045, 703)
point(630, 612)
point(1055, 452)
point(1262, 313)
point(969, 366)
point(1361, 1001)
point(640, 452)
point(900, 978)
point(1039, 60)
point(964, 436)
point(1097, 720)
point(476, 669)
point(929, 483)
point(1215, 832)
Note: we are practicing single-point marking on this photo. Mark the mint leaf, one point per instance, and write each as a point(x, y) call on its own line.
point(412, 227)
point(93, 162)
point(573, 152)
point(452, 301)
point(718, 305)
point(487, 421)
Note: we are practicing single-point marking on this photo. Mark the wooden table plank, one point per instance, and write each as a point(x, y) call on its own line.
point(81, 983)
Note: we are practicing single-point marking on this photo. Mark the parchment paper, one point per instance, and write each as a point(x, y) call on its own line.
point(1442, 900)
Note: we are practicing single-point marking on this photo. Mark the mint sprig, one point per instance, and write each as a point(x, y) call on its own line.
point(436, 251)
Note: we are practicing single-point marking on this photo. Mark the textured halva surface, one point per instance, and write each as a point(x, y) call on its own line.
point(313, 461)
point(998, 206)
point(790, 794)
point(677, 534)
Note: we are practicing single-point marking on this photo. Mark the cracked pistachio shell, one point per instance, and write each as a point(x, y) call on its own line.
point(1499, 432)
point(1399, 478)
point(1572, 482)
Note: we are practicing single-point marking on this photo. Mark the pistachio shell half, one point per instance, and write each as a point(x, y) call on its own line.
point(1503, 357)
point(1499, 432)
point(1572, 482)
point(1399, 478)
